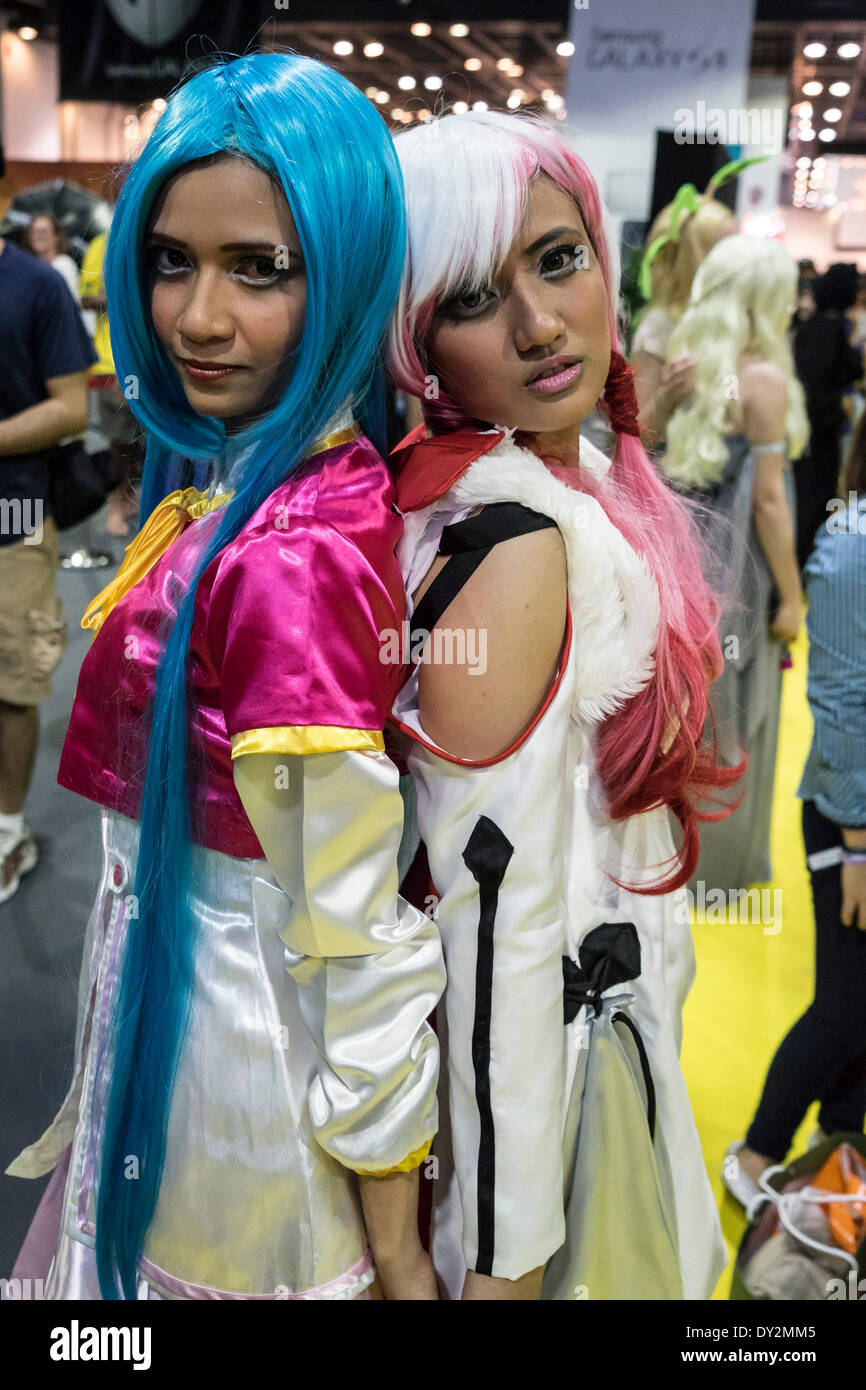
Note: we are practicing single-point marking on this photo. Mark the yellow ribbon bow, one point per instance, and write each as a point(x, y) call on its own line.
point(164, 525)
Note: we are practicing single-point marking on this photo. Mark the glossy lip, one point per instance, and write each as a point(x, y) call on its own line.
point(571, 370)
point(207, 371)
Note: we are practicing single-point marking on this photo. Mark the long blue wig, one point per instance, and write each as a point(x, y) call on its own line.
point(326, 146)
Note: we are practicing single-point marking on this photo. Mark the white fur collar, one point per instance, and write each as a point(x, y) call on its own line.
point(613, 594)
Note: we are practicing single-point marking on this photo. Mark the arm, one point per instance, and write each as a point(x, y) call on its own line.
point(369, 972)
point(504, 1001)
point(661, 386)
point(765, 403)
point(40, 426)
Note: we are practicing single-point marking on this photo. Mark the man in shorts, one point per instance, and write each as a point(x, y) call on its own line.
point(44, 357)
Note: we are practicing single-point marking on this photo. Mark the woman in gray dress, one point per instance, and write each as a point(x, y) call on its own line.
point(729, 447)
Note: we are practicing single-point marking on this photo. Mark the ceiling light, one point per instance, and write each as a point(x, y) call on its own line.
point(813, 89)
point(472, 64)
point(827, 134)
point(382, 97)
point(548, 94)
point(839, 89)
point(479, 106)
point(343, 48)
point(803, 162)
point(397, 113)
point(159, 104)
point(514, 100)
point(820, 161)
point(406, 84)
point(806, 134)
point(432, 83)
point(27, 32)
point(848, 50)
point(565, 50)
point(373, 50)
point(515, 70)
point(420, 30)
point(370, 92)
point(422, 114)
point(504, 64)
point(804, 109)
point(814, 50)
point(833, 114)
point(460, 107)
point(459, 31)
point(406, 118)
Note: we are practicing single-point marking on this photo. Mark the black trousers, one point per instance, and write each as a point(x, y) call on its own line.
point(823, 1057)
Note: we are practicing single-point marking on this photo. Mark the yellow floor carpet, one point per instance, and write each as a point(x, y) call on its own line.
point(752, 985)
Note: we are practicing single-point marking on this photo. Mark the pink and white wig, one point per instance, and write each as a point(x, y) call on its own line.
point(467, 179)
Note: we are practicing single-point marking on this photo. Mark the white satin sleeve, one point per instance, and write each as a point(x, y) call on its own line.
point(368, 966)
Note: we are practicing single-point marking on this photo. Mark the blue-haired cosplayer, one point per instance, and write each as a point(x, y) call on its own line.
point(252, 1030)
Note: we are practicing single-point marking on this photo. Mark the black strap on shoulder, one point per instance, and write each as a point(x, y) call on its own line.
point(468, 542)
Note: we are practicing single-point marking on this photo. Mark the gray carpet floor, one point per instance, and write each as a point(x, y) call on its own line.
point(42, 925)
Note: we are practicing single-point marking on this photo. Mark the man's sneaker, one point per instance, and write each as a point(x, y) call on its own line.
point(18, 857)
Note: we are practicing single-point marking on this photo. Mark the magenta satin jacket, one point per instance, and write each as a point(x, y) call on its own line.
point(287, 638)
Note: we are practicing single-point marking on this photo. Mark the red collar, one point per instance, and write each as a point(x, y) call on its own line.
point(426, 468)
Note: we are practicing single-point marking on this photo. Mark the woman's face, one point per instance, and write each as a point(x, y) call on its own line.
point(532, 351)
point(43, 239)
point(229, 286)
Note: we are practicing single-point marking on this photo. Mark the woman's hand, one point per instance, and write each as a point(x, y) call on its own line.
point(786, 623)
point(677, 383)
point(854, 896)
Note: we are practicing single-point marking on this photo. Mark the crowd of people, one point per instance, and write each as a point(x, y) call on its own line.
point(357, 915)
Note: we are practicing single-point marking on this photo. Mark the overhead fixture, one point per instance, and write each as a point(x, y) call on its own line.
point(343, 48)
point(373, 50)
point(371, 92)
point(814, 50)
point(504, 64)
point(420, 30)
point(811, 199)
point(382, 97)
point(804, 108)
point(472, 64)
point(159, 104)
point(28, 33)
point(479, 106)
point(833, 114)
point(515, 70)
point(820, 162)
point(406, 84)
point(459, 31)
point(807, 134)
point(813, 89)
point(803, 162)
point(548, 94)
point(397, 113)
point(432, 83)
point(565, 49)
point(460, 107)
point(839, 89)
point(848, 50)
point(827, 134)
point(514, 99)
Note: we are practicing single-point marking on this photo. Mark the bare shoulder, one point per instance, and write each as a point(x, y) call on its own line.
point(512, 615)
point(759, 378)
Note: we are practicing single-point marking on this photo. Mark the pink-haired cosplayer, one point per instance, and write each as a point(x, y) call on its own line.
point(568, 1143)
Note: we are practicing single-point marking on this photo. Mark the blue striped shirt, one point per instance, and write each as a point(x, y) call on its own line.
point(835, 578)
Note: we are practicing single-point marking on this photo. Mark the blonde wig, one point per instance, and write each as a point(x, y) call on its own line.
point(742, 298)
